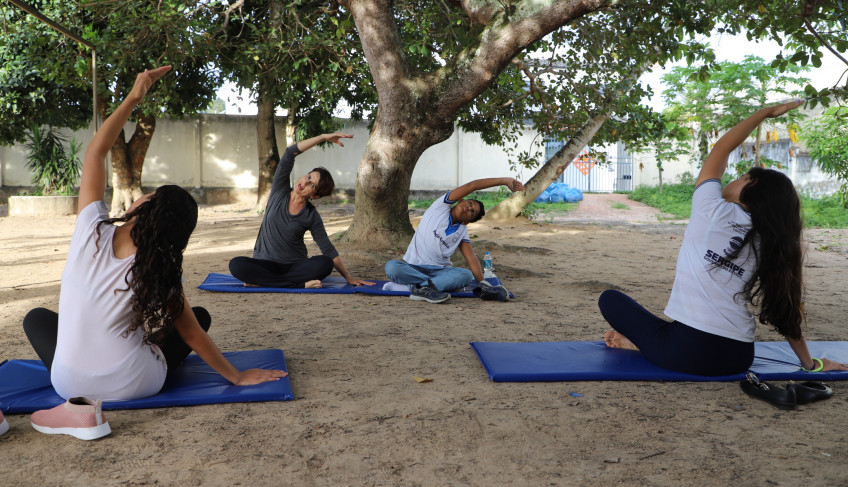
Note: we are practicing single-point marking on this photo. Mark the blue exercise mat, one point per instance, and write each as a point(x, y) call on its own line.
point(225, 283)
point(465, 292)
point(578, 361)
point(25, 385)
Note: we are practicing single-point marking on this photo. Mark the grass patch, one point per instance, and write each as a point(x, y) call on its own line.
point(676, 199)
point(619, 206)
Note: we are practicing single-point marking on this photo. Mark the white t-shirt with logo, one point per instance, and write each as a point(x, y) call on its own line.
point(706, 282)
point(95, 356)
point(437, 236)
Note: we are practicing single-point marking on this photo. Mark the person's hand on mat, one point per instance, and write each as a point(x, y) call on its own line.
point(515, 186)
point(360, 282)
point(832, 365)
point(250, 377)
point(336, 136)
point(145, 80)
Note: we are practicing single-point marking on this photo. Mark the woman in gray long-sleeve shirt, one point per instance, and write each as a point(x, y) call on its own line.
point(280, 258)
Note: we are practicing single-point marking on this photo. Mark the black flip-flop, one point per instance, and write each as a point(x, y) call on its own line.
point(782, 398)
point(810, 391)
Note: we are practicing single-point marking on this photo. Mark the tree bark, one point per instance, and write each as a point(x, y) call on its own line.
point(266, 139)
point(418, 110)
point(548, 173)
point(128, 162)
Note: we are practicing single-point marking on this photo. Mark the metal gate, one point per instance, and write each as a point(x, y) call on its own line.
point(589, 174)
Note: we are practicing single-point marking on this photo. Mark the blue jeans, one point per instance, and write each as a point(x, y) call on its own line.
point(444, 278)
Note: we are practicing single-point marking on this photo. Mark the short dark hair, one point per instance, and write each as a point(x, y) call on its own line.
point(326, 185)
point(481, 214)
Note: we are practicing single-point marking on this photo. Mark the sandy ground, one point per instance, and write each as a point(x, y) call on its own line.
point(360, 418)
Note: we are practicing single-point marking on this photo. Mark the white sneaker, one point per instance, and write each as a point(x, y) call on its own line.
point(4, 425)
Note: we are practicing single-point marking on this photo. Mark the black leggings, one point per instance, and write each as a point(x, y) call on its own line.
point(673, 345)
point(42, 326)
point(268, 273)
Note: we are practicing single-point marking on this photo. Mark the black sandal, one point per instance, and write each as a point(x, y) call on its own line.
point(782, 398)
point(810, 391)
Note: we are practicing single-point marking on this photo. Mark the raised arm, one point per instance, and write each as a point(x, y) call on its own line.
point(93, 178)
point(195, 337)
point(478, 184)
point(716, 162)
point(335, 138)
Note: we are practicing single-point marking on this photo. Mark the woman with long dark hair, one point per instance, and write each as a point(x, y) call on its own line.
point(742, 247)
point(123, 319)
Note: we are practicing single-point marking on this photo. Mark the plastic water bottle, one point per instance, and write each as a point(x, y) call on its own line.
point(488, 268)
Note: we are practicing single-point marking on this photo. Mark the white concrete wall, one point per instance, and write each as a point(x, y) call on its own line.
point(219, 151)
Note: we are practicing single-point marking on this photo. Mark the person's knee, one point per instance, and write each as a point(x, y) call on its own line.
point(203, 317)
point(393, 267)
point(608, 297)
point(39, 317)
point(325, 264)
point(237, 265)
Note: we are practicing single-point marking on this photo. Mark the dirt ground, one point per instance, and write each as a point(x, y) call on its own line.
point(360, 418)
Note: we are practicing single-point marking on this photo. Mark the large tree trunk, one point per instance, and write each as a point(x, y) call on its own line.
point(266, 139)
point(382, 183)
point(548, 173)
point(127, 164)
point(418, 110)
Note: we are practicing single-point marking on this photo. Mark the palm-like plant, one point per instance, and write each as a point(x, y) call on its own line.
point(55, 169)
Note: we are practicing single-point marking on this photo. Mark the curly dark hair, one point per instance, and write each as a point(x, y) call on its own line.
point(776, 287)
point(163, 225)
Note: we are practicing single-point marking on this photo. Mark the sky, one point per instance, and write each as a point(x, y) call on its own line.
point(727, 48)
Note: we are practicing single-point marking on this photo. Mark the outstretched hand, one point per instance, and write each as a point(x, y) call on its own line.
point(336, 136)
point(145, 80)
point(779, 110)
point(250, 377)
point(515, 186)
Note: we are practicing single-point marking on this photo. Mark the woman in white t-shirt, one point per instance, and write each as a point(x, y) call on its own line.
point(742, 246)
point(123, 318)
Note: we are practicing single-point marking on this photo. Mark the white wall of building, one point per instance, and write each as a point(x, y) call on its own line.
point(219, 151)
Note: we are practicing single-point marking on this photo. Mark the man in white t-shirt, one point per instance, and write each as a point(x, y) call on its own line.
point(426, 266)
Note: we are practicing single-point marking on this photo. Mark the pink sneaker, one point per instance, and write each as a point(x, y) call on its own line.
point(4, 425)
point(79, 417)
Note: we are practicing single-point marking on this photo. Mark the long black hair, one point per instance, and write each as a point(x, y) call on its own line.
point(162, 227)
point(776, 287)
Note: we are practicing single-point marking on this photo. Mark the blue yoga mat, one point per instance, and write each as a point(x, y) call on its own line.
point(465, 292)
point(577, 361)
point(226, 283)
point(25, 385)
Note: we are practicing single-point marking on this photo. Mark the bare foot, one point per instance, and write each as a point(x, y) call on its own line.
point(615, 339)
point(313, 284)
point(251, 285)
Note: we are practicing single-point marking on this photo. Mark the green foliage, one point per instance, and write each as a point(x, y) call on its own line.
point(826, 212)
point(708, 103)
point(39, 84)
point(676, 199)
point(303, 55)
point(827, 139)
point(55, 169)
